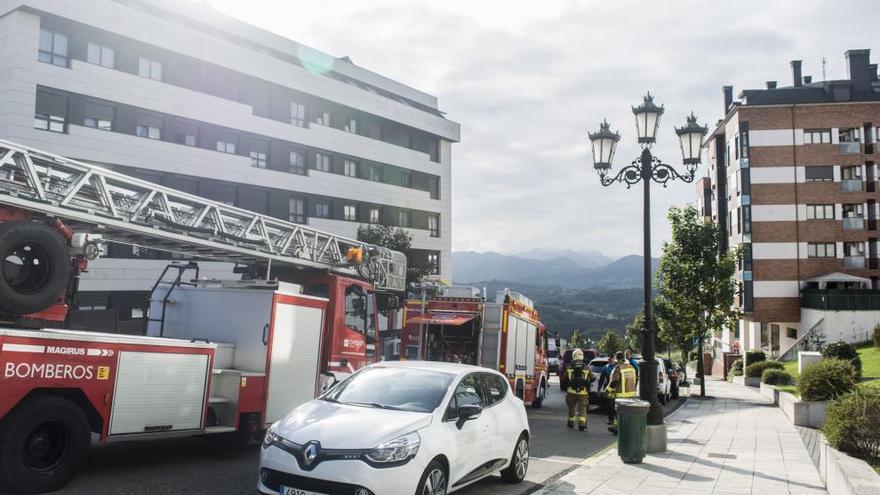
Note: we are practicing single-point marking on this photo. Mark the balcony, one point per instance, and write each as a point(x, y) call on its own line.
point(854, 261)
point(854, 223)
point(841, 299)
point(850, 148)
point(851, 185)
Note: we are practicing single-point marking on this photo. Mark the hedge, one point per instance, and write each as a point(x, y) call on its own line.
point(755, 356)
point(773, 376)
point(827, 379)
point(755, 370)
point(847, 352)
point(852, 424)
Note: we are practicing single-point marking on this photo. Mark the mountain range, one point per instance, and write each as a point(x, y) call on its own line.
point(566, 269)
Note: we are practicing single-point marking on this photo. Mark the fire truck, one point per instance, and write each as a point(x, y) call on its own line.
point(218, 356)
point(457, 324)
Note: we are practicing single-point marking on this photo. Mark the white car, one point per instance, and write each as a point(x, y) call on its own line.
point(399, 428)
point(663, 383)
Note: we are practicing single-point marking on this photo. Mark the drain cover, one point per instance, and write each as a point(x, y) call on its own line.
point(722, 456)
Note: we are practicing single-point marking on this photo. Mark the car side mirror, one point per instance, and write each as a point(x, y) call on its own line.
point(466, 413)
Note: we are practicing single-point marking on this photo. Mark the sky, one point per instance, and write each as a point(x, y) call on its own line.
point(527, 80)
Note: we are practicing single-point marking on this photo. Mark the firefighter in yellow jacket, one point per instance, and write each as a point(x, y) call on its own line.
point(621, 385)
point(576, 383)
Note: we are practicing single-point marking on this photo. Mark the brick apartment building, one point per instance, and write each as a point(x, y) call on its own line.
point(793, 180)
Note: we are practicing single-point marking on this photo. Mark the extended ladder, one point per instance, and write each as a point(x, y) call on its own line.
point(126, 209)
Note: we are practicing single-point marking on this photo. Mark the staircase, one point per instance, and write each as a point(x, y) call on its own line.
point(804, 343)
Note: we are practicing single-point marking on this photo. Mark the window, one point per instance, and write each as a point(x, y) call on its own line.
point(851, 173)
point(434, 187)
point(258, 159)
point(356, 308)
point(351, 168)
point(854, 248)
point(149, 68)
point(375, 215)
point(852, 135)
point(98, 115)
point(350, 212)
point(297, 114)
point(323, 118)
point(853, 210)
point(104, 125)
point(494, 388)
point(744, 144)
point(53, 48)
point(100, 55)
point(298, 162)
point(322, 209)
point(374, 173)
point(819, 174)
point(791, 333)
point(434, 262)
point(821, 250)
point(351, 126)
point(322, 162)
point(148, 131)
point(186, 138)
point(817, 136)
point(298, 210)
point(403, 218)
point(820, 212)
point(468, 392)
point(226, 147)
point(50, 113)
point(434, 225)
point(47, 122)
point(406, 178)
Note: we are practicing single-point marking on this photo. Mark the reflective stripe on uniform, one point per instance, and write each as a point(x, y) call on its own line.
point(625, 373)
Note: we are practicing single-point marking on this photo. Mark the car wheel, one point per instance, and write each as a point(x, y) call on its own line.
point(433, 480)
point(519, 462)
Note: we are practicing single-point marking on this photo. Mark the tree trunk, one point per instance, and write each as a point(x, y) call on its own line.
point(700, 367)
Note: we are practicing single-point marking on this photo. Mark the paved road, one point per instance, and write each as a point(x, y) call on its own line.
point(213, 465)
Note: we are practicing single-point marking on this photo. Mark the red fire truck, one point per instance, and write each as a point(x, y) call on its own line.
point(456, 324)
point(218, 356)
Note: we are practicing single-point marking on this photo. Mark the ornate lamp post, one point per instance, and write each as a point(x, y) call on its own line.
point(647, 168)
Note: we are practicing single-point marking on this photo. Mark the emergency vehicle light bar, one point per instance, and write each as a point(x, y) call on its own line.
point(134, 211)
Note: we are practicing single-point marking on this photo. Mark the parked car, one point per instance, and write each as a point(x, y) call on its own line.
point(589, 354)
point(662, 382)
point(399, 427)
point(596, 366)
point(672, 372)
point(553, 360)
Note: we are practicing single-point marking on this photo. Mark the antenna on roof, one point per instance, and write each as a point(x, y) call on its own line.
point(824, 64)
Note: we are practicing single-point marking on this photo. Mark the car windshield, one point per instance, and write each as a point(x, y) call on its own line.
point(597, 365)
point(403, 389)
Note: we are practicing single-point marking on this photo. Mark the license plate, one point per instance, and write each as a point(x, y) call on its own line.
point(287, 490)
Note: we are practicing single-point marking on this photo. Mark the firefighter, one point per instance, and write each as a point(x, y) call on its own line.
point(622, 385)
point(576, 383)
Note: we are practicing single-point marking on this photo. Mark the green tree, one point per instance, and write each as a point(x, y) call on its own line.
point(611, 342)
point(635, 334)
point(397, 240)
point(576, 339)
point(695, 284)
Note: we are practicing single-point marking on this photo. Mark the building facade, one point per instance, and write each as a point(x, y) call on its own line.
point(792, 180)
point(178, 94)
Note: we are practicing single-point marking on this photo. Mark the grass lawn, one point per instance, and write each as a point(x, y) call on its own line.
point(870, 357)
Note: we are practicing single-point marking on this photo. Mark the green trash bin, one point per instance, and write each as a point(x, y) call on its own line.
point(632, 417)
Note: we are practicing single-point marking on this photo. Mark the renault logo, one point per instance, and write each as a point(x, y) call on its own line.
point(310, 453)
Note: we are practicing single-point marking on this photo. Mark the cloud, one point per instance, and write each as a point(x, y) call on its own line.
point(527, 80)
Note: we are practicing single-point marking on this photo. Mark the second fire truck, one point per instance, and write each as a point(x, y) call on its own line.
point(457, 324)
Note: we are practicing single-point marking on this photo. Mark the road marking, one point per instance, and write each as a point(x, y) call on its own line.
point(38, 349)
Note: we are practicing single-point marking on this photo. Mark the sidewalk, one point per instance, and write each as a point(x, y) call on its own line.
point(734, 443)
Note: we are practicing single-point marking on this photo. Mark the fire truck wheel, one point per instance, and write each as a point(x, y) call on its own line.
point(539, 399)
point(35, 267)
point(43, 444)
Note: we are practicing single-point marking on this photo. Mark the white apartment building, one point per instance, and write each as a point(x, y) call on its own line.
point(176, 93)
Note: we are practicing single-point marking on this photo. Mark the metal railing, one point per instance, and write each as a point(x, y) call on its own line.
point(841, 299)
point(851, 185)
point(804, 343)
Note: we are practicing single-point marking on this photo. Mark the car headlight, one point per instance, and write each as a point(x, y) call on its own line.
point(271, 438)
point(397, 451)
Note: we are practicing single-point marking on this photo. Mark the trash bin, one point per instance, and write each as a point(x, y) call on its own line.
point(632, 417)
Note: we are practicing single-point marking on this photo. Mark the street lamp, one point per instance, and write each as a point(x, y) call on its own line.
point(644, 169)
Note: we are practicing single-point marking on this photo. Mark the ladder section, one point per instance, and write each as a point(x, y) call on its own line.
point(134, 211)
